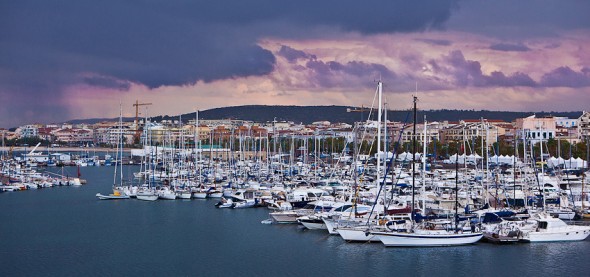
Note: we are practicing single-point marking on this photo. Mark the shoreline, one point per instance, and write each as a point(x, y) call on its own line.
point(63, 149)
point(102, 150)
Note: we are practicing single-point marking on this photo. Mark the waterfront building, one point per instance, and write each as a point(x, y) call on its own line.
point(471, 130)
point(73, 135)
point(28, 131)
point(583, 126)
point(536, 129)
point(566, 122)
point(45, 133)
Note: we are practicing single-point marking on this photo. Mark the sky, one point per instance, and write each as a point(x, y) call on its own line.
point(63, 60)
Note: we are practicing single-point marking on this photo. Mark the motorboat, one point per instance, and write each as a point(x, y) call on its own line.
point(115, 195)
point(166, 193)
point(279, 205)
point(549, 229)
point(249, 203)
point(225, 203)
point(312, 222)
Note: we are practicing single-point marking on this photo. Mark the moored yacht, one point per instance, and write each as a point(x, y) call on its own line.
point(430, 234)
point(549, 229)
point(115, 195)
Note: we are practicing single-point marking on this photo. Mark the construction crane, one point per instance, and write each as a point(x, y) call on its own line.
point(136, 105)
point(361, 110)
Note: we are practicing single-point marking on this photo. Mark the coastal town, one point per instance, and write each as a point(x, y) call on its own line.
point(448, 136)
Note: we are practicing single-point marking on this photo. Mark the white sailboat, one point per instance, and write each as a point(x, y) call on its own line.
point(147, 194)
point(431, 233)
point(118, 193)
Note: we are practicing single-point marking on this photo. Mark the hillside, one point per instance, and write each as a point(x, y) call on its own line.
point(309, 114)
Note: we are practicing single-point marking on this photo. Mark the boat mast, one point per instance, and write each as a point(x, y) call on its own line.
point(514, 173)
point(385, 151)
point(542, 171)
point(457, 192)
point(415, 99)
point(423, 194)
point(379, 111)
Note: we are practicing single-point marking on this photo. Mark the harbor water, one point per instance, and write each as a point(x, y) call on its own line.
point(67, 231)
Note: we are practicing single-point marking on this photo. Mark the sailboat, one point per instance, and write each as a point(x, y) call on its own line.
point(117, 192)
point(199, 192)
point(429, 233)
point(147, 192)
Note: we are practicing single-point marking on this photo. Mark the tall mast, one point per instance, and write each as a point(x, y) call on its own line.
point(415, 98)
point(457, 192)
point(121, 140)
point(514, 172)
point(542, 171)
point(379, 111)
point(424, 166)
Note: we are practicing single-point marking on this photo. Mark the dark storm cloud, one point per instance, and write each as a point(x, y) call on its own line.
point(520, 19)
point(439, 42)
point(293, 55)
point(509, 47)
point(47, 45)
point(566, 77)
point(465, 72)
point(179, 42)
point(107, 82)
point(334, 74)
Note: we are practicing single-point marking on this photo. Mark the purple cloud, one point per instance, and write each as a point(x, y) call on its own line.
point(566, 77)
point(498, 78)
point(510, 47)
point(465, 72)
point(439, 42)
point(107, 82)
point(292, 55)
point(334, 74)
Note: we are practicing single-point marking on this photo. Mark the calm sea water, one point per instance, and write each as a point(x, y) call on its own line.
point(66, 231)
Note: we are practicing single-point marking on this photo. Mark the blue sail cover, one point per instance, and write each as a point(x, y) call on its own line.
point(496, 217)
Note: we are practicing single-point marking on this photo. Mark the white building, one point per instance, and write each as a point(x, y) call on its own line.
point(28, 131)
point(566, 122)
point(584, 126)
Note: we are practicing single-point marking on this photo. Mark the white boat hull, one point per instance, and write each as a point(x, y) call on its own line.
point(244, 204)
point(184, 195)
point(199, 195)
point(574, 233)
point(314, 226)
point(284, 217)
point(111, 196)
point(215, 195)
point(152, 197)
point(427, 240)
point(167, 196)
point(330, 226)
point(356, 235)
